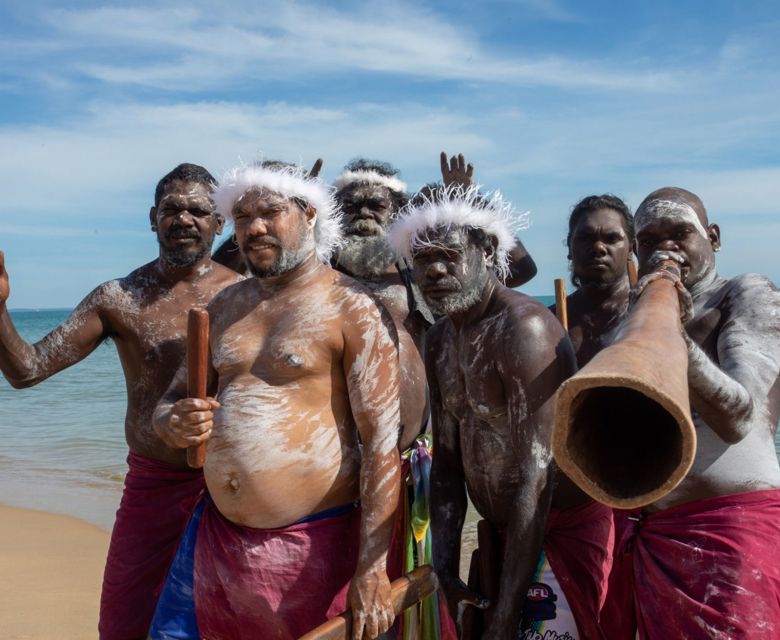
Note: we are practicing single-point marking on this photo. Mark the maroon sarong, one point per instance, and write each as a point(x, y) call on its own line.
point(156, 504)
point(578, 544)
point(706, 569)
point(272, 583)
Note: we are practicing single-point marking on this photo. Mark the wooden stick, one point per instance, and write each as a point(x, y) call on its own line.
point(560, 303)
point(406, 591)
point(632, 275)
point(197, 371)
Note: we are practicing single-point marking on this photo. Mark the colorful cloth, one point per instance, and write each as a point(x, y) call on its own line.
point(705, 569)
point(410, 547)
point(232, 582)
point(157, 501)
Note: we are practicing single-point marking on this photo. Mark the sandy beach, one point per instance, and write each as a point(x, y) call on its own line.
point(51, 567)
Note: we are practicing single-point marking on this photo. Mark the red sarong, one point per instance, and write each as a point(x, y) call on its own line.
point(578, 544)
point(272, 583)
point(707, 569)
point(156, 504)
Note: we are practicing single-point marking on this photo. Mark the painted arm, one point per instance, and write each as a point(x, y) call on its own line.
point(372, 376)
point(448, 493)
point(725, 395)
point(539, 359)
point(25, 365)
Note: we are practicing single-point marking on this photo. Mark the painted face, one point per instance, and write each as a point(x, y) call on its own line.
point(186, 222)
point(599, 248)
point(451, 271)
point(367, 209)
point(273, 232)
point(665, 225)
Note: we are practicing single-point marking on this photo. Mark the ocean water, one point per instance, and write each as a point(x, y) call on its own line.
point(62, 446)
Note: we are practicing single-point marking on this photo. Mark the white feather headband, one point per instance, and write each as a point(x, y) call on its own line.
point(290, 182)
point(456, 207)
point(369, 176)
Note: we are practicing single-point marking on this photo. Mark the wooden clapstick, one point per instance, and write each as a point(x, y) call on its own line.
point(197, 371)
point(632, 275)
point(405, 592)
point(560, 303)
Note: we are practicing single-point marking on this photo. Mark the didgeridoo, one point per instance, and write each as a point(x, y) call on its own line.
point(197, 371)
point(405, 592)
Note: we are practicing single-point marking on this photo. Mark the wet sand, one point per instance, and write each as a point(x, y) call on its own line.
point(51, 567)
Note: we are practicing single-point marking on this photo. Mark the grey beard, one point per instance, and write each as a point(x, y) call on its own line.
point(460, 301)
point(366, 256)
point(288, 259)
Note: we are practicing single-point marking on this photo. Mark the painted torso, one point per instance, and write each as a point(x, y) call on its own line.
point(737, 324)
point(284, 443)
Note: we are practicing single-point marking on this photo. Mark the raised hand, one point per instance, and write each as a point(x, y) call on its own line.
point(5, 288)
point(456, 171)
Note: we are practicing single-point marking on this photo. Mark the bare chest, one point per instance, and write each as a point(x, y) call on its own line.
point(469, 380)
point(276, 346)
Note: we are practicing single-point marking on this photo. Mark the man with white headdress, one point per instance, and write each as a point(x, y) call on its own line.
point(301, 461)
point(494, 363)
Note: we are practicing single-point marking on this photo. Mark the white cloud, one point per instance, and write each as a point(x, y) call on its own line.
point(195, 47)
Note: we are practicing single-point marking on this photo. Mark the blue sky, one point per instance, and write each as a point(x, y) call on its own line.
point(551, 99)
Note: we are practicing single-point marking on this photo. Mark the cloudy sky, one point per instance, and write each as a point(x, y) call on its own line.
point(551, 99)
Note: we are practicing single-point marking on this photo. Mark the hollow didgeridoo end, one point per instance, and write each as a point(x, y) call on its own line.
point(623, 428)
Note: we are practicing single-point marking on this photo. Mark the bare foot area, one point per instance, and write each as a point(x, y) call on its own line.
point(52, 569)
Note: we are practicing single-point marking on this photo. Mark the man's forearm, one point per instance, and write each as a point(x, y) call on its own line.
point(723, 403)
point(448, 512)
point(379, 492)
point(17, 357)
point(524, 541)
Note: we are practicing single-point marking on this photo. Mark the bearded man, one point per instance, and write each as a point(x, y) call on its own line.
point(702, 561)
point(145, 314)
point(370, 194)
point(494, 361)
point(301, 432)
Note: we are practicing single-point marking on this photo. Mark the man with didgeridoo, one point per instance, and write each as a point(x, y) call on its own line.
point(494, 362)
point(301, 466)
point(702, 561)
point(145, 314)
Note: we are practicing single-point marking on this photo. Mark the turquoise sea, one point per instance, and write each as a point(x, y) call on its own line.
point(62, 445)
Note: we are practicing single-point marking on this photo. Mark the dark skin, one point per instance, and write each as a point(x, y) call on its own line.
point(228, 253)
point(599, 249)
point(733, 340)
point(493, 368)
point(144, 313)
point(522, 267)
point(302, 359)
point(374, 203)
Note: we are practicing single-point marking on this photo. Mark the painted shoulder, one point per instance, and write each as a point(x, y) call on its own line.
point(527, 318)
point(118, 293)
point(223, 274)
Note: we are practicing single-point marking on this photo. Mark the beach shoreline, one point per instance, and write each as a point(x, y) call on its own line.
point(53, 570)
